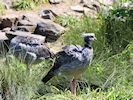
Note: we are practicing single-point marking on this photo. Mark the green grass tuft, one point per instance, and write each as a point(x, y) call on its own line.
point(2, 8)
point(24, 5)
point(15, 80)
point(28, 4)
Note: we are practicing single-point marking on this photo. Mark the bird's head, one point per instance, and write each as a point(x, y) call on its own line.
point(88, 37)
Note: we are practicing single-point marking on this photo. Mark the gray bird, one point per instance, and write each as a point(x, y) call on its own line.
point(29, 50)
point(72, 61)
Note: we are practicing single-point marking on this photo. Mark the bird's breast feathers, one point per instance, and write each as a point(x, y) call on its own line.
point(75, 57)
point(81, 53)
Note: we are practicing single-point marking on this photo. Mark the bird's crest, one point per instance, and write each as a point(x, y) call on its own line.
point(87, 34)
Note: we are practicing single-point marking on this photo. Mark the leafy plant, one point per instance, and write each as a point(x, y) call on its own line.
point(15, 82)
point(28, 4)
point(2, 8)
point(118, 28)
point(40, 1)
point(24, 4)
point(67, 21)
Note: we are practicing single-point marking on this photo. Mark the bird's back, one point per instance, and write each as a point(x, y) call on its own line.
point(30, 47)
point(72, 60)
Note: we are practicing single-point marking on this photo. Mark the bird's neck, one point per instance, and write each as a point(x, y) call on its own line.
point(88, 45)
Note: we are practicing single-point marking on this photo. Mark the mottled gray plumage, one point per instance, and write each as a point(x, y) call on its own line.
point(73, 60)
point(29, 49)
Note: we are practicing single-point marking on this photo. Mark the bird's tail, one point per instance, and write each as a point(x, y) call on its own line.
point(47, 77)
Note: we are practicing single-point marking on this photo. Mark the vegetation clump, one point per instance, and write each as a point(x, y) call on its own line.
point(27, 4)
point(118, 28)
point(2, 8)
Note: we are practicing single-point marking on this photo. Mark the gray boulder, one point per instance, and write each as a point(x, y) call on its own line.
point(55, 1)
point(97, 2)
point(93, 5)
point(51, 30)
point(29, 20)
point(4, 43)
point(8, 22)
point(3, 36)
point(7, 3)
point(127, 5)
point(78, 8)
point(48, 14)
point(6, 29)
point(26, 23)
point(24, 28)
point(11, 35)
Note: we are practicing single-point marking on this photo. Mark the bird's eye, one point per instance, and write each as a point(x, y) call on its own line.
point(91, 36)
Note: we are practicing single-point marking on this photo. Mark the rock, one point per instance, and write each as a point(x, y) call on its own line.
point(88, 8)
point(78, 8)
point(55, 1)
point(48, 14)
point(7, 3)
point(8, 22)
point(90, 13)
point(6, 29)
point(24, 28)
point(97, 2)
point(31, 23)
point(11, 35)
point(106, 2)
point(94, 7)
point(127, 5)
point(29, 20)
point(25, 23)
point(4, 43)
point(51, 30)
point(3, 36)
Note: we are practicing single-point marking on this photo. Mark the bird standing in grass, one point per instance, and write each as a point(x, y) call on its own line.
point(72, 61)
point(30, 50)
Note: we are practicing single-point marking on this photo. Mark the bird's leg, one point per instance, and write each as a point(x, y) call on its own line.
point(29, 69)
point(73, 86)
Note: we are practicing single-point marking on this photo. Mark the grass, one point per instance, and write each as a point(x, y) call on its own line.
point(2, 8)
point(28, 4)
point(67, 21)
point(111, 72)
point(118, 28)
point(16, 81)
point(24, 4)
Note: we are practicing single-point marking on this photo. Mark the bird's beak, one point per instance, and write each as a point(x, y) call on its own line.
point(95, 38)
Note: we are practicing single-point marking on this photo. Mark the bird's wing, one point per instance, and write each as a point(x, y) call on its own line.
point(75, 51)
point(42, 51)
point(30, 44)
point(68, 55)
